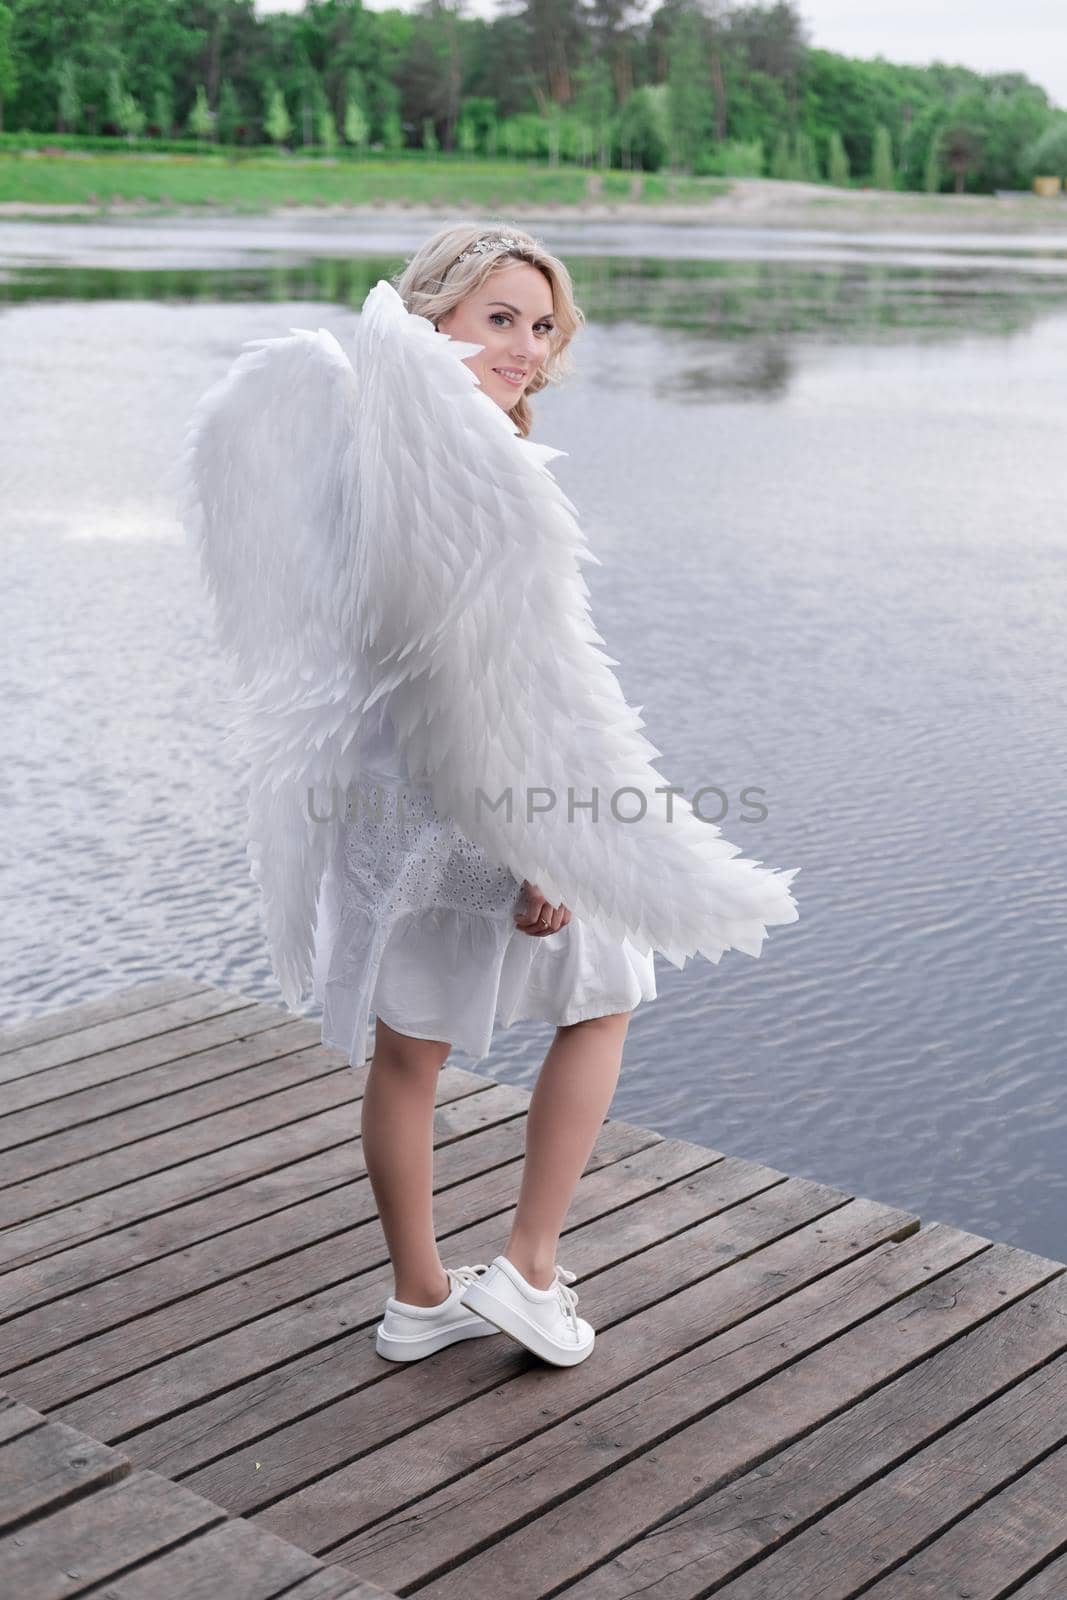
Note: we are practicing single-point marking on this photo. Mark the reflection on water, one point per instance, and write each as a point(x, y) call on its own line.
point(828, 500)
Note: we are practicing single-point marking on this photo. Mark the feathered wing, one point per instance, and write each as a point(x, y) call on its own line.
point(472, 615)
point(265, 485)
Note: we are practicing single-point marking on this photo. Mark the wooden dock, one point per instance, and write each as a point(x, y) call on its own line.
point(796, 1393)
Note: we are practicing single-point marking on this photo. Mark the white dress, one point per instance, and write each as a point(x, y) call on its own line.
point(415, 925)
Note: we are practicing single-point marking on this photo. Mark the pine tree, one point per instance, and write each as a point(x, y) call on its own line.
point(882, 173)
point(838, 168)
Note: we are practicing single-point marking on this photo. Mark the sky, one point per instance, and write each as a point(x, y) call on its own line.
point(989, 35)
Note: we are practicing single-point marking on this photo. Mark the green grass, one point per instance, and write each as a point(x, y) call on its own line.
point(259, 183)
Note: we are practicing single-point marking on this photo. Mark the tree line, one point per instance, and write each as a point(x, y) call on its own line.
point(695, 86)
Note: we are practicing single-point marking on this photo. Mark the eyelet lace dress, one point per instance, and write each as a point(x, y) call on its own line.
point(415, 925)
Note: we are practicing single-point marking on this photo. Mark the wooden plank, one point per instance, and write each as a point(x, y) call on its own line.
point(137, 1056)
point(1050, 1583)
point(651, 1354)
point(234, 1558)
point(84, 1110)
point(102, 1535)
point(273, 1151)
point(69, 1019)
point(94, 1260)
point(100, 1038)
point(16, 1419)
point(193, 1316)
point(875, 1442)
point(331, 1434)
point(263, 1263)
point(263, 1402)
point(986, 1552)
point(47, 1467)
point(184, 1092)
point(123, 1170)
point(336, 1216)
point(306, 1312)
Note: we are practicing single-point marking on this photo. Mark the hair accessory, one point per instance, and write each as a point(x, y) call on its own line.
point(485, 247)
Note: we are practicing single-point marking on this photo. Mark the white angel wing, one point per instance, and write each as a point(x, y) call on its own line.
point(264, 482)
point(474, 618)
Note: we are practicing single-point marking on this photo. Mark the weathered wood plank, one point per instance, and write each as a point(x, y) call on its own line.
point(86, 1364)
point(100, 1039)
point(293, 1388)
point(269, 1063)
point(93, 1261)
point(236, 1559)
point(124, 1169)
point(102, 1535)
point(360, 1420)
point(644, 1379)
point(68, 1019)
point(275, 1156)
point(986, 1552)
point(1050, 1583)
point(877, 1439)
point(15, 1418)
point(337, 1218)
point(229, 1358)
point(55, 1512)
point(47, 1467)
point(139, 1056)
point(89, 1114)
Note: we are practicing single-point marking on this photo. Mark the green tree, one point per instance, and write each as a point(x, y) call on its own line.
point(644, 128)
point(229, 117)
point(9, 78)
point(691, 104)
point(163, 112)
point(838, 170)
point(1047, 156)
point(277, 122)
point(356, 125)
point(430, 142)
point(201, 120)
point(392, 131)
point(883, 175)
point(327, 129)
point(68, 101)
point(781, 156)
point(932, 169)
point(805, 162)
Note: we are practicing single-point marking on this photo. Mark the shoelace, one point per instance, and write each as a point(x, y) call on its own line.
point(467, 1274)
point(568, 1299)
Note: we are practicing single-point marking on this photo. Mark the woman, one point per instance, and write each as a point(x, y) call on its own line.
point(396, 575)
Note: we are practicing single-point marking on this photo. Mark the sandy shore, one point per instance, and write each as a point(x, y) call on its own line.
point(750, 203)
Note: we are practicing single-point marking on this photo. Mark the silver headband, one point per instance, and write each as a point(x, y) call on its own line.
point(485, 247)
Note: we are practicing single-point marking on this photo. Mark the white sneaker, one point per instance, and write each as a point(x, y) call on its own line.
point(544, 1320)
point(407, 1332)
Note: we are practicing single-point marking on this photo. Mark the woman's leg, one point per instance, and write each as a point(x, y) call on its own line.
point(567, 1108)
point(397, 1125)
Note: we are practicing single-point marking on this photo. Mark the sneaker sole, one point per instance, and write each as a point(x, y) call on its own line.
point(512, 1322)
point(412, 1347)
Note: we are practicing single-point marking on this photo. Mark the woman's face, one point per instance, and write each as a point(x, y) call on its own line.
point(511, 315)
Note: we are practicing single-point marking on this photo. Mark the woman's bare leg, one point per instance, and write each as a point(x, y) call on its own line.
point(567, 1108)
point(397, 1120)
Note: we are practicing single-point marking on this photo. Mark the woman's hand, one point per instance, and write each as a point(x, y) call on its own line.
point(538, 917)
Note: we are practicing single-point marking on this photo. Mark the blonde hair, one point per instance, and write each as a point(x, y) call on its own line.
point(433, 283)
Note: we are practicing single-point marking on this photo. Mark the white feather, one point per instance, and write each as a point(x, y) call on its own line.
point(379, 527)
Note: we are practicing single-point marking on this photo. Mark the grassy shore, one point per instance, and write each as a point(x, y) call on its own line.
point(261, 183)
point(72, 186)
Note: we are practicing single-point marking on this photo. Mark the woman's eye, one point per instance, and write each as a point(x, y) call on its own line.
point(542, 327)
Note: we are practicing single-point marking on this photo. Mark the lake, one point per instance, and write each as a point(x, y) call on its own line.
point(826, 478)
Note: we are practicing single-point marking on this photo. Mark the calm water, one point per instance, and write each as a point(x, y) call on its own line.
point(828, 487)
